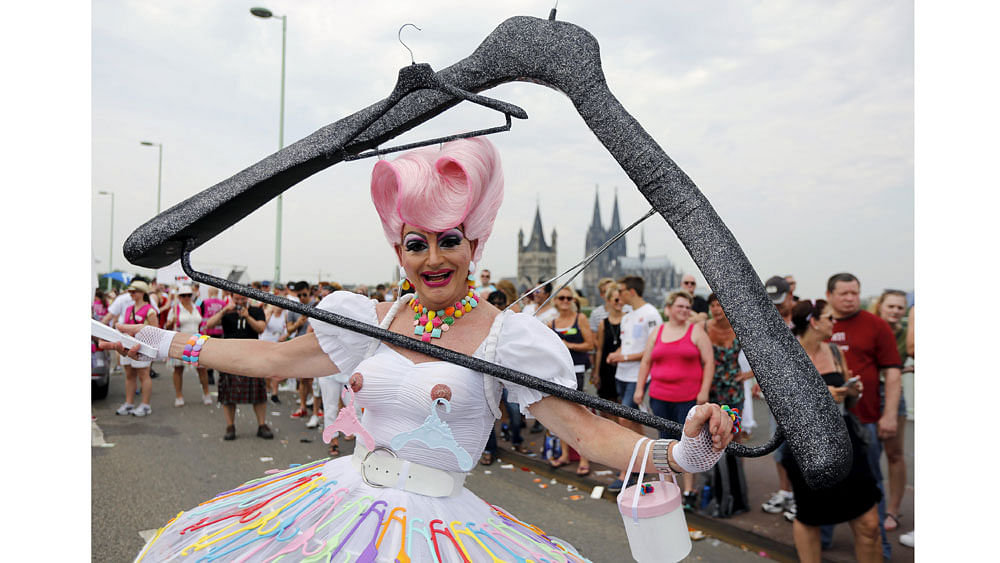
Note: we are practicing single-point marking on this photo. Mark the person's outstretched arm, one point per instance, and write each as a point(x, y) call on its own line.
point(603, 441)
point(300, 357)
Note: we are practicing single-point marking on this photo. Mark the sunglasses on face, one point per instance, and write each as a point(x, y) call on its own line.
point(688, 283)
point(564, 298)
point(303, 295)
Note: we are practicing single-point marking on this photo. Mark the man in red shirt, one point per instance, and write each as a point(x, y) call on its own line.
point(869, 346)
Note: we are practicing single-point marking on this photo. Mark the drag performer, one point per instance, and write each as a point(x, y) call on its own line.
point(400, 496)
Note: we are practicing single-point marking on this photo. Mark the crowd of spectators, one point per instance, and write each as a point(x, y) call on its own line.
point(688, 353)
point(630, 351)
point(218, 313)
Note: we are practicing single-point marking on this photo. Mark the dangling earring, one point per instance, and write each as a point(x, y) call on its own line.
point(472, 270)
point(404, 283)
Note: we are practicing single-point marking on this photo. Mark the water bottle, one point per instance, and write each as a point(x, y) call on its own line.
point(706, 496)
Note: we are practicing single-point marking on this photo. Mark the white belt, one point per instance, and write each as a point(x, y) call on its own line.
point(381, 468)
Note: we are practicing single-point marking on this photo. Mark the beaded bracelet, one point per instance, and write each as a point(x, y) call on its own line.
point(193, 349)
point(734, 414)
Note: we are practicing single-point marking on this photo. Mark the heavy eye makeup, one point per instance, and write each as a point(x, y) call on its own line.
point(414, 243)
point(450, 238)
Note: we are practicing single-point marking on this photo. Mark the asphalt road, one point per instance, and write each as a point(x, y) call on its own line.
point(149, 469)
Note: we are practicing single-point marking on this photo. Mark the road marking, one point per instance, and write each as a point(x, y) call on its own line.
point(97, 436)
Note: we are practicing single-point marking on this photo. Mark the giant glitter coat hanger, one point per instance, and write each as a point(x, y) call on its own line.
point(564, 57)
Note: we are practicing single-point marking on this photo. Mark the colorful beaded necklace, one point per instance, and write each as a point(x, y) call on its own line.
point(429, 324)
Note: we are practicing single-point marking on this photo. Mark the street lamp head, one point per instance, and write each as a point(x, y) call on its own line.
point(102, 192)
point(261, 12)
point(147, 143)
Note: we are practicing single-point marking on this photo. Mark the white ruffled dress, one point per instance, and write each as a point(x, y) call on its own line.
point(324, 511)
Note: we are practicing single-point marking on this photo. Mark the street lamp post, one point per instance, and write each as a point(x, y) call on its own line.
point(111, 235)
point(159, 171)
point(265, 14)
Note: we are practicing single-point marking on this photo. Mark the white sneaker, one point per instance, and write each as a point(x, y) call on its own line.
point(309, 400)
point(313, 422)
point(125, 409)
point(791, 509)
point(142, 410)
point(179, 402)
point(207, 399)
point(776, 504)
point(907, 538)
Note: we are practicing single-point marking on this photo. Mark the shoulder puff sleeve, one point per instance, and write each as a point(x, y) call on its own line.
point(345, 348)
point(528, 346)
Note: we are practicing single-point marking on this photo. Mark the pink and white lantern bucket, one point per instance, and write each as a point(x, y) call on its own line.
point(653, 516)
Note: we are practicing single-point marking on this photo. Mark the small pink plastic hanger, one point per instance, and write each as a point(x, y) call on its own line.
point(348, 423)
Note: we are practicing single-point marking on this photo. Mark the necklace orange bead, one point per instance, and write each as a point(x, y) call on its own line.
point(428, 323)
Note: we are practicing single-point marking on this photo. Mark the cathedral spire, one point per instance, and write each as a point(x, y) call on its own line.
point(596, 220)
point(536, 230)
point(618, 248)
point(616, 224)
point(537, 240)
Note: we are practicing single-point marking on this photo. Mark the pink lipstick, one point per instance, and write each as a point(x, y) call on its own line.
point(438, 278)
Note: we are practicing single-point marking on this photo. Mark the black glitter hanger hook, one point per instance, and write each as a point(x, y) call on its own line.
point(399, 36)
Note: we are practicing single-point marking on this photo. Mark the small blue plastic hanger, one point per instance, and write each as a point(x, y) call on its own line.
point(435, 433)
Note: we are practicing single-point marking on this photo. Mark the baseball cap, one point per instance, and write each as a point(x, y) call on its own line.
point(777, 287)
point(184, 290)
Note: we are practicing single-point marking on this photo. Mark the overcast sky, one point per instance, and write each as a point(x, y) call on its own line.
point(794, 118)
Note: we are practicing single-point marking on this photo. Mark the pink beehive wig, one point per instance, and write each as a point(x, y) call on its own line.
point(436, 189)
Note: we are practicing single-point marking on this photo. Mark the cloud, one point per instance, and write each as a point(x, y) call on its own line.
point(794, 118)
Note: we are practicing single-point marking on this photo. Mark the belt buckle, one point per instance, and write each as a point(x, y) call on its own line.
point(365, 477)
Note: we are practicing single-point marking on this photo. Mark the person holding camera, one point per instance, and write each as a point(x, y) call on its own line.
point(238, 320)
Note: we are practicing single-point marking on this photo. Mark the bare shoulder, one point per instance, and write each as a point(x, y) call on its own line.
point(700, 332)
point(700, 329)
point(488, 308)
point(382, 308)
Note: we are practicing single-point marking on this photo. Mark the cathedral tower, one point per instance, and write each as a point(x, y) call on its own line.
point(535, 260)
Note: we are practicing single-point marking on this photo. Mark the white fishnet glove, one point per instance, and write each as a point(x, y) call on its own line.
point(695, 455)
point(156, 338)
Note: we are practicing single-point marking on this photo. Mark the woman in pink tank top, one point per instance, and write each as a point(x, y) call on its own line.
point(679, 361)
